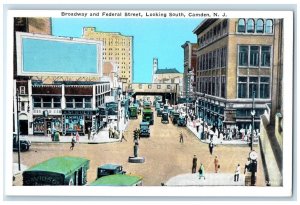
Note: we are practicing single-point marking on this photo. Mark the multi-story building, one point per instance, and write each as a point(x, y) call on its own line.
point(236, 59)
point(167, 75)
point(117, 49)
point(54, 75)
point(190, 67)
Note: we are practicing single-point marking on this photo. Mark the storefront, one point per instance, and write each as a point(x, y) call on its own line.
point(41, 125)
point(77, 121)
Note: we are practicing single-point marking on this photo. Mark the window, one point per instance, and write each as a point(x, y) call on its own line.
point(213, 86)
point(266, 56)
point(37, 102)
point(57, 102)
point(242, 87)
point(214, 59)
point(250, 26)
point(149, 86)
point(264, 87)
point(168, 86)
point(253, 86)
point(243, 56)
point(224, 27)
point(254, 56)
point(259, 26)
point(269, 26)
point(88, 102)
point(223, 84)
point(47, 102)
point(22, 90)
point(217, 86)
point(241, 26)
point(158, 86)
point(22, 106)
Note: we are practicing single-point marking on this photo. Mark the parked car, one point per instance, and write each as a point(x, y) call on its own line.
point(181, 121)
point(24, 143)
point(109, 169)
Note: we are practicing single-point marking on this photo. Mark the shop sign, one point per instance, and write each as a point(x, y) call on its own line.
point(78, 112)
point(50, 111)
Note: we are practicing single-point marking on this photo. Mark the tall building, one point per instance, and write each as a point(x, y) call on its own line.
point(154, 68)
point(190, 66)
point(117, 49)
point(236, 61)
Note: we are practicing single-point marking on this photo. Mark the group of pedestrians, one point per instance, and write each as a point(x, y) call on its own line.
point(201, 170)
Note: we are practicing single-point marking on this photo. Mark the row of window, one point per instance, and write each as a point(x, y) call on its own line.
point(255, 26)
point(214, 33)
point(213, 59)
point(257, 86)
point(254, 56)
point(102, 88)
point(215, 86)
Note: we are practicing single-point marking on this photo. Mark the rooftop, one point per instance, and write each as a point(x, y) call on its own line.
point(167, 70)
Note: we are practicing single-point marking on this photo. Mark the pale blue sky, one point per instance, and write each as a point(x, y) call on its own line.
point(161, 38)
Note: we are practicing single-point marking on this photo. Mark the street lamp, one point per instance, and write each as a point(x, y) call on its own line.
point(118, 110)
point(253, 115)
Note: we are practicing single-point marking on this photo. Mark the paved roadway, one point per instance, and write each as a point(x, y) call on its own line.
point(164, 156)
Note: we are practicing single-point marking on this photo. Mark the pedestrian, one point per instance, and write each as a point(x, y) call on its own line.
point(197, 125)
point(77, 136)
point(201, 172)
point(72, 143)
point(247, 166)
point(237, 173)
point(194, 168)
point(181, 137)
point(211, 147)
point(217, 166)
point(89, 133)
point(49, 132)
point(123, 138)
point(109, 132)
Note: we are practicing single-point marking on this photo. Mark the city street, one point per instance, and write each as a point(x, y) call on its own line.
point(165, 156)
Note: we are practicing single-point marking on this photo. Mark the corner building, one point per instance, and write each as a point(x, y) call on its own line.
point(236, 59)
point(117, 49)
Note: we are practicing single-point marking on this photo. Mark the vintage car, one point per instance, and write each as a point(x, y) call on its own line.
point(181, 121)
point(118, 180)
point(164, 117)
point(144, 129)
point(109, 169)
point(159, 112)
point(24, 143)
point(57, 171)
point(174, 118)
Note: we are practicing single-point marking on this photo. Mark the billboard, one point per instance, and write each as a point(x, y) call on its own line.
point(50, 55)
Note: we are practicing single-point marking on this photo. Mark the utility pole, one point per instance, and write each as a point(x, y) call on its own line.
point(18, 132)
point(253, 115)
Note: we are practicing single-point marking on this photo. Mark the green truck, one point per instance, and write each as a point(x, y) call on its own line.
point(118, 180)
point(133, 112)
point(148, 116)
point(57, 171)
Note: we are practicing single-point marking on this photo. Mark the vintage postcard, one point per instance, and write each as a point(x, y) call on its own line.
point(149, 103)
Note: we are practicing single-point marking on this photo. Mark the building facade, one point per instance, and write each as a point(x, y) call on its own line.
point(236, 59)
point(190, 67)
point(117, 49)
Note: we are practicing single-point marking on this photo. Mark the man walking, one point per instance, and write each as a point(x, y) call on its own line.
point(89, 133)
point(123, 138)
point(211, 147)
point(216, 162)
point(201, 171)
point(181, 137)
point(72, 143)
point(194, 164)
point(109, 132)
point(237, 173)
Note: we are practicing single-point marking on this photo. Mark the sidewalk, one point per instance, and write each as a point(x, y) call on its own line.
point(216, 140)
point(101, 137)
point(211, 179)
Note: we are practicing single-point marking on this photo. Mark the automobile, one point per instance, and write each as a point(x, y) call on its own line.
point(159, 112)
point(118, 180)
point(164, 117)
point(109, 169)
point(58, 171)
point(24, 143)
point(175, 116)
point(145, 129)
point(181, 121)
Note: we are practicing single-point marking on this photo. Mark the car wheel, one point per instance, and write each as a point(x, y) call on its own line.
point(25, 148)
